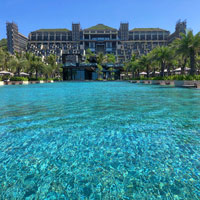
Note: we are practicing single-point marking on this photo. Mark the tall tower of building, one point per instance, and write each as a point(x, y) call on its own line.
point(12, 37)
point(16, 41)
point(123, 31)
point(76, 28)
point(181, 26)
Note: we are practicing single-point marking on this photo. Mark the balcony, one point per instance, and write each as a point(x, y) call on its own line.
point(100, 39)
point(109, 49)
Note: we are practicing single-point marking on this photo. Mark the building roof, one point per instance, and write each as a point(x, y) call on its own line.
point(23, 35)
point(53, 30)
point(147, 29)
point(100, 27)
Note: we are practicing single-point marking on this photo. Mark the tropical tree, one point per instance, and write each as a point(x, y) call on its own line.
point(3, 44)
point(110, 58)
point(52, 65)
point(182, 54)
point(23, 64)
point(2, 59)
point(89, 54)
point(198, 63)
point(127, 68)
point(36, 65)
point(145, 63)
point(99, 71)
point(163, 56)
point(13, 64)
point(100, 61)
point(189, 46)
point(101, 58)
point(131, 66)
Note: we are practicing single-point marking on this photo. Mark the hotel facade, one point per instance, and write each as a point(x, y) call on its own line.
point(100, 38)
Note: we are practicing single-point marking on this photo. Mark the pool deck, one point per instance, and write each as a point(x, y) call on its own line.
point(22, 82)
point(184, 84)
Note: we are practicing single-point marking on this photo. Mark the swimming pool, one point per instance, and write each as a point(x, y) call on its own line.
point(99, 140)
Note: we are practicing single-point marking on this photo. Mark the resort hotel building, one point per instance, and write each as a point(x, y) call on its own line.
point(100, 38)
point(70, 45)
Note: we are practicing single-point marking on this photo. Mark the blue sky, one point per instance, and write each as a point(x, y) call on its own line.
point(31, 15)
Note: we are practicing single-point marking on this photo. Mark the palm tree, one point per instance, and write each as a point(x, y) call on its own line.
point(181, 51)
point(110, 58)
point(163, 55)
point(89, 54)
point(145, 62)
point(198, 63)
point(13, 64)
point(100, 61)
point(130, 66)
point(99, 71)
point(135, 68)
point(188, 46)
point(51, 60)
point(2, 59)
point(36, 65)
point(101, 58)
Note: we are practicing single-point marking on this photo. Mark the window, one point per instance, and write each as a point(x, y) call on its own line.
point(51, 36)
point(136, 37)
point(130, 37)
point(142, 37)
point(148, 37)
point(33, 37)
point(113, 36)
point(39, 37)
point(45, 37)
point(57, 36)
point(160, 37)
point(154, 37)
point(64, 37)
point(86, 37)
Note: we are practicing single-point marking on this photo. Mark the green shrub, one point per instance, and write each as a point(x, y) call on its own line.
point(49, 79)
point(36, 79)
point(158, 78)
point(172, 77)
point(57, 79)
point(15, 78)
point(182, 77)
point(5, 77)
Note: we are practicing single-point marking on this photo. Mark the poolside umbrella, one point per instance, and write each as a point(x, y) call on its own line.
point(5, 73)
point(155, 72)
point(143, 73)
point(179, 69)
point(23, 74)
point(166, 70)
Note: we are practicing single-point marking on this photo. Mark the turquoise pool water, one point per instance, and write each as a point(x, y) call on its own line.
point(99, 140)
